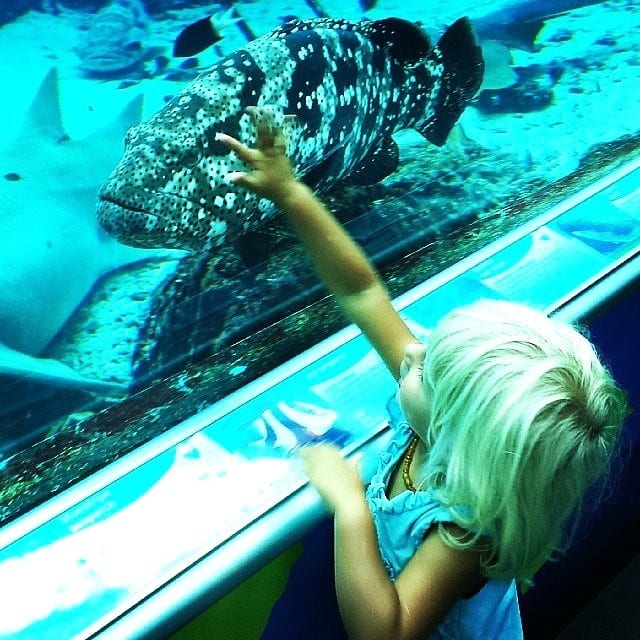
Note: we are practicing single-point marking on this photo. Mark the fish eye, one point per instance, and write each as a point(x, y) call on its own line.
point(190, 157)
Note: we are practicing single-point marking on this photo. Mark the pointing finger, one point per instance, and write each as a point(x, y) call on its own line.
point(232, 143)
point(246, 154)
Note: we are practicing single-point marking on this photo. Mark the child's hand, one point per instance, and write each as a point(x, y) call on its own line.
point(271, 175)
point(336, 480)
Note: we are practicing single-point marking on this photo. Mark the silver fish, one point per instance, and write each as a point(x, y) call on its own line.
point(344, 87)
point(517, 23)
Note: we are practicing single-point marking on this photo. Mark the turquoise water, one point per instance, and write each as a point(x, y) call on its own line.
point(97, 337)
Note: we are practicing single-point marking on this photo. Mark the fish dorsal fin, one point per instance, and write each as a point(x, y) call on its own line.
point(293, 25)
point(44, 114)
point(331, 164)
point(404, 40)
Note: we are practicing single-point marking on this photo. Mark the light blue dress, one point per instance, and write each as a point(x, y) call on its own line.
point(402, 523)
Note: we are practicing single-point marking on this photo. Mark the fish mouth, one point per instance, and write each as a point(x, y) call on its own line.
point(126, 223)
point(137, 224)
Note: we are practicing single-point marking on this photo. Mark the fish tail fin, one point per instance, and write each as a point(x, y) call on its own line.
point(460, 54)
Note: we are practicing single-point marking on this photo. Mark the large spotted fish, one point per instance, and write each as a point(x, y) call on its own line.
point(340, 89)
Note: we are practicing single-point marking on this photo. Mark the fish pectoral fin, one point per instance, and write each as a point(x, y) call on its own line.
point(328, 169)
point(379, 164)
point(255, 247)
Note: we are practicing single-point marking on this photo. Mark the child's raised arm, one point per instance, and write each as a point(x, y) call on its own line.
point(371, 604)
point(342, 265)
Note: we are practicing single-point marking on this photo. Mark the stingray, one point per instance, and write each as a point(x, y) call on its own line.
point(52, 250)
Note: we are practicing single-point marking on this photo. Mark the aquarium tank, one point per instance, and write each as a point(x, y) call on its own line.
point(138, 286)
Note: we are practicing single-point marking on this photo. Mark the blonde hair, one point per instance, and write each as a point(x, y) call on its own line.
point(524, 418)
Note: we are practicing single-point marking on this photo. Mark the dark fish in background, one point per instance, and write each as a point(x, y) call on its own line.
point(125, 84)
point(190, 63)
point(133, 47)
point(180, 75)
point(161, 63)
point(366, 5)
point(205, 32)
point(340, 89)
point(196, 38)
point(317, 9)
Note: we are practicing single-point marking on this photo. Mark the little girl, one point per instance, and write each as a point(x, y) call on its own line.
point(510, 416)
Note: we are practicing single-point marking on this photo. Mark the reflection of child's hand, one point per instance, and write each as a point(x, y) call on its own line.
point(271, 175)
point(336, 480)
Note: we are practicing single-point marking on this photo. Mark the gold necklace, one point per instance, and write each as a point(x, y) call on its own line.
point(407, 459)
